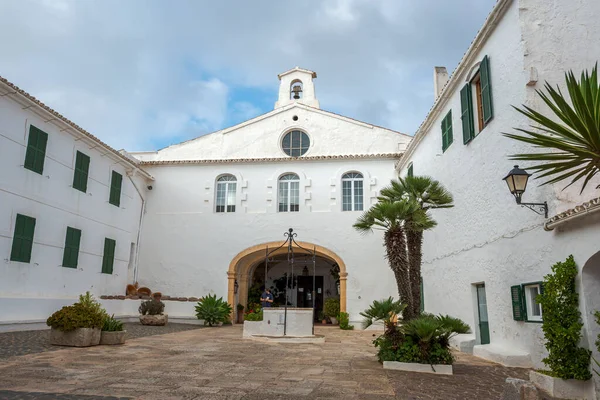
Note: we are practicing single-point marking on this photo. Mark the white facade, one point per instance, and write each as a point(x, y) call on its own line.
point(486, 238)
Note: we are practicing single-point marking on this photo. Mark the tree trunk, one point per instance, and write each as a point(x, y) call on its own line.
point(395, 244)
point(414, 242)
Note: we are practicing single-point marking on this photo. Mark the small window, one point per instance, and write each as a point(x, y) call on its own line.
point(71, 253)
point(115, 189)
point(226, 187)
point(295, 143)
point(36, 150)
point(480, 86)
point(409, 171)
point(80, 176)
point(22, 239)
point(447, 131)
point(352, 192)
point(524, 302)
point(289, 193)
point(108, 258)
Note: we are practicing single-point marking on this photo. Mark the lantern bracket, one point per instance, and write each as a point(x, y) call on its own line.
point(538, 208)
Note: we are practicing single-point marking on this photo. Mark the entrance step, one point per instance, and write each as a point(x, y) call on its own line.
point(503, 355)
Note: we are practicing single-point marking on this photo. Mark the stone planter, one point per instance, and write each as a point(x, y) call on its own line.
point(81, 337)
point(334, 321)
point(414, 367)
point(117, 337)
point(154, 320)
point(561, 388)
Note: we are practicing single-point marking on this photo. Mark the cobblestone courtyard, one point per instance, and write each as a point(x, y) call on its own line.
point(215, 363)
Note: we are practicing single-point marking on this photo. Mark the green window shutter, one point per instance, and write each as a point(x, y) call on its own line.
point(518, 303)
point(23, 239)
point(409, 172)
point(115, 189)
point(71, 254)
point(447, 131)
point(466, 114)
point(36, 150)
point(486, 90)
point(108, 258)
point(80, 176)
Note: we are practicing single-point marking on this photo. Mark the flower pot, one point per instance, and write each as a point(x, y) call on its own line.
point(334, 321)
point(81, 337)
point(240, 316)
point(324, 322)
point(117, 337)
point(154, 320)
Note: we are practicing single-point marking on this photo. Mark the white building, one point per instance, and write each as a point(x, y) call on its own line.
point(486, 248)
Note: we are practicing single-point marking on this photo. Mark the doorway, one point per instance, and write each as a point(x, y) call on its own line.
point(305, 288)
point(484, 326)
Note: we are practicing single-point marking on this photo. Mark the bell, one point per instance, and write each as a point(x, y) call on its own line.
point(297, 90)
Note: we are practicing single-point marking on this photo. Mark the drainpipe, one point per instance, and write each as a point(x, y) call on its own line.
point(139, 234)
point(593, 207)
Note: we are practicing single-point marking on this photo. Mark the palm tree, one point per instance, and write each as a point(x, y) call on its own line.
point(428, 194)
point(571, 136)
point(383, 310)
point(390, 216)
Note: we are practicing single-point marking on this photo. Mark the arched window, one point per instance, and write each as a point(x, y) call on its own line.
point(226, 186)
point(295, 143)
point(289, 193)
point(352, 191)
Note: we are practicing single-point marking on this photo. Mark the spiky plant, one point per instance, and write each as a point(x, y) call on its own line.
point(571, 135)
point(383, 310)
point(213, 310)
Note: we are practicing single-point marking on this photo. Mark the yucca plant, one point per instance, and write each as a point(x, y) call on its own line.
point(383, 310)
point(213, 310)
point(573, 140)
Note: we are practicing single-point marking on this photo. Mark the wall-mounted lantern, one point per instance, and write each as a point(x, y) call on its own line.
point(235, 287)
point(517, 183)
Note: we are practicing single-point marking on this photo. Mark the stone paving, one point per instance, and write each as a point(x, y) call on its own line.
point(215, 363)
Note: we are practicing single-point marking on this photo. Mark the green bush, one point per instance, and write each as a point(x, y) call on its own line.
point(383, 310)
point(344, 318)
point(87, 313)
point(562, 323)
point(212, 310)
point(254, 316)
point(112, 325)
point(332, 307)
point(152, 307)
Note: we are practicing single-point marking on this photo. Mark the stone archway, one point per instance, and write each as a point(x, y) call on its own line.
point(242, 265)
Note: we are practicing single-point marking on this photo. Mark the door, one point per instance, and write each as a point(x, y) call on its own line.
point(484, 326)
point(305, 287)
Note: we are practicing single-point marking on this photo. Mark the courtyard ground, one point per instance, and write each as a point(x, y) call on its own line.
point(215, 363)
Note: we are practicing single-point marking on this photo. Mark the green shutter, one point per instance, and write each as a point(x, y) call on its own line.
point(518, 303)
point(108, 258)
point(80, 176)
point(23, 239)
point(115, 189)
point(486, 90)
point(447, 137)
point(71, 254)
point(466, 114)
point(36, 150)
point(409, 172)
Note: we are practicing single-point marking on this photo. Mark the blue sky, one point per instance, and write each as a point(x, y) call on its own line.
point(144, 74)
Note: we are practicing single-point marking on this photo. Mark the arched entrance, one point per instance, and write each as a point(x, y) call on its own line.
point(243, 265)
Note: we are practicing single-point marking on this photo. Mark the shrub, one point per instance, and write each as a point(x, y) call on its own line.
point(562, 323)
point(87, 313)
point(332, 307)
point(254, 316)
point(213, 310)
point(344, 318)
point(384, 310)
point(240, 307)
point(112, 325)
point(152, 307)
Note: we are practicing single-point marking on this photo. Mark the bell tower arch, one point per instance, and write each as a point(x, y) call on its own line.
point(297, 86)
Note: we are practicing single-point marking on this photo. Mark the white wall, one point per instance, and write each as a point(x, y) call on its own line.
point(486, 237)
point(51, 199)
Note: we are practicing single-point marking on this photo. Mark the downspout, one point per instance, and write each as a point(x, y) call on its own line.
point(139, 234)
point(592, 208)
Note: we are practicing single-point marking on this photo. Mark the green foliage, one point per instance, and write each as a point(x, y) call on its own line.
point(332, 307)
point(562, 323)
point(254, 316)
point(254, 292)
point(213, 310)
point(152, 307)
point(383, 310)
point(344, 318)
point(87, 313)
point(597, 316)
point(240, 307)
point(573, 142)
point(88, 302)
point(112, 325)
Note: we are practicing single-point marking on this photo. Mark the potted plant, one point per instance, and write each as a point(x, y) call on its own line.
point(152, 313)
point(344, 318)
point(77, 325)
point(332, 309)
point(253, 322)
point(213, 311)
point(322, 318)
point(112, 331)
point(240, 313)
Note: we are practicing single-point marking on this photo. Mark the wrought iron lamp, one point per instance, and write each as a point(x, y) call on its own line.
point(517, 183)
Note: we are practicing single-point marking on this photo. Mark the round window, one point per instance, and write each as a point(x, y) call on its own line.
point(295, 143)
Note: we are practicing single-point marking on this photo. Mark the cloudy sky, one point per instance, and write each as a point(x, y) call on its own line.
point(143, 74)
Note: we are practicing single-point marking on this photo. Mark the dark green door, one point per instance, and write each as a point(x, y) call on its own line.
point(484, 326)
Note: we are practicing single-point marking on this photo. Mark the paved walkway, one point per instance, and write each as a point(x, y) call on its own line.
point(215, 363)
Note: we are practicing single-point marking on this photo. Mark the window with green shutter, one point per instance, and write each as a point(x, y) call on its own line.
point(80, 176)
point(447, 131)
point(409, 171)
point(115, 189)
point(466, 114)
point(23, 239)
point(108, 259)
point(486, 90)
point(71, 254)
point(519, 312)
point(36, 150)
